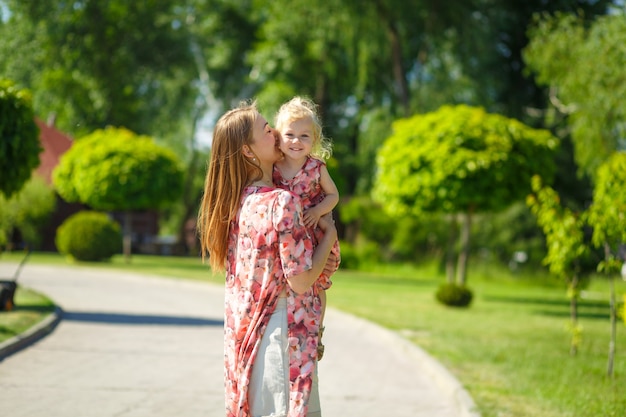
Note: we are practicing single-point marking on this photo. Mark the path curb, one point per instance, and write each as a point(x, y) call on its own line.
point(32, 335)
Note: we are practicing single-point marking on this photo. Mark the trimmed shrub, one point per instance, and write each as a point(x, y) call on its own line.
point(89, 236)
point(454, 295)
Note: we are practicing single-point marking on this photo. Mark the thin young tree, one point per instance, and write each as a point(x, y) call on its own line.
point(607, 216)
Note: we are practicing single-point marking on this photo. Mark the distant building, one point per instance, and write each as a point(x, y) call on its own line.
point(54, 143)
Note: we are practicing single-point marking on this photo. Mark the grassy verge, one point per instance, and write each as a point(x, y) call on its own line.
point(31, 307)
point(510, 348)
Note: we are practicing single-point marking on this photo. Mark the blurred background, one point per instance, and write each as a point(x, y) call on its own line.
point(166, 69)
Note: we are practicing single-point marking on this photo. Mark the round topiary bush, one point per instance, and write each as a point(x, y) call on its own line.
point(89, 236)
point(454, 295)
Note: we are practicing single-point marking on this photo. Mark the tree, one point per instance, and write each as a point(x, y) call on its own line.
point(460, 160)
point(95, 64)
point(19, 138)
point(157, 67)
point(27, 212)
point(560, 52)
point(607, 216)
point(115, 169)
point(565, 238)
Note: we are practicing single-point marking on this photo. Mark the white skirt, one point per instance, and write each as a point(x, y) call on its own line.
point(268, 394)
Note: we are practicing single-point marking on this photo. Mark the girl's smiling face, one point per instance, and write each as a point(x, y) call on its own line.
point(297, 138)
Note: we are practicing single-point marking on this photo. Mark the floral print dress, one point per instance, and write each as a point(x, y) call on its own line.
point(268, 244)
point(307, 185)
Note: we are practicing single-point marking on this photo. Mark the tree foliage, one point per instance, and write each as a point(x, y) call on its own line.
point(27, 211)
point(458, 159)
point(115, 169)
point(565, 238)
point(564, 230)
point(97, 63)
point(582, 62)
point(607, 214)
point(19, 138)
point(89, 236)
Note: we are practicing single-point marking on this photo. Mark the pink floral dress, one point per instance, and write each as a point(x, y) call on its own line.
point(307, 185)
point(268, 244)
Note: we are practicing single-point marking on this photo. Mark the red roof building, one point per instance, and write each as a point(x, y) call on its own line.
point(54, 144)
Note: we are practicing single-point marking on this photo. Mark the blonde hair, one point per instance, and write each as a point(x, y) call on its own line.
point(300, 108)
point(228, 174)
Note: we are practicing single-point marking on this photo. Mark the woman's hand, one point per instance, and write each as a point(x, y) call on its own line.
point(327, 224)
point(302, 282)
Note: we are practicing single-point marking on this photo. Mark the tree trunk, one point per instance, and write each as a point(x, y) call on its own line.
point(612, 343)
point(461, 267)
point(613, 313)
point(450, 250)
point(402, 89)
point(127, 236)
point(573, 312)
point(609, 369)
point(398, 70)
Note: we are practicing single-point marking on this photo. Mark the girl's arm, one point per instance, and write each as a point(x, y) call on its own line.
point(302, 282)
point(312, 215)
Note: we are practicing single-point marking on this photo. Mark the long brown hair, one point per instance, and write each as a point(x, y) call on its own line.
point(229, 172)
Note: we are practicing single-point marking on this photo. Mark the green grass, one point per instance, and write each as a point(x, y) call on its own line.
point(31, 307)
point(510, 349)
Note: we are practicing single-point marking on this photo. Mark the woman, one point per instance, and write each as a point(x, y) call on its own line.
point(256, 233)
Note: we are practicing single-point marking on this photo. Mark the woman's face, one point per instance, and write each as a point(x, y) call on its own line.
point(265, 142)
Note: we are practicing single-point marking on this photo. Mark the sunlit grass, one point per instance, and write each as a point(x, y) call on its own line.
point(511, 347)
point(30, 308)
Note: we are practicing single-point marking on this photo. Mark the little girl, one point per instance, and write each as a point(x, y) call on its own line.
point(304, 172)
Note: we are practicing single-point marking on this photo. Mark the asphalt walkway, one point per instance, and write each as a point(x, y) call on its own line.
point(137, 346)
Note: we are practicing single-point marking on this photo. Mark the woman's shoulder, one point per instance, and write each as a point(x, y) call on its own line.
point(269, 193)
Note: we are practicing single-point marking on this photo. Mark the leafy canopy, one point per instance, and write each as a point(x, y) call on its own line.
point(585, 67)
point(460, 158)
point(607, 214)
point(115, 169)
point(19, 138)
point(563, 228)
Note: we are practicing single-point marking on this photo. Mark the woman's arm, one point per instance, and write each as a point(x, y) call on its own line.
point(302, 282)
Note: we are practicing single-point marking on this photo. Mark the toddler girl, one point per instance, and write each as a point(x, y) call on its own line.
point(303, 171)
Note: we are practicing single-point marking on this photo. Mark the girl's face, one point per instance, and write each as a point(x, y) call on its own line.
point(297, 138)
point(264, 142)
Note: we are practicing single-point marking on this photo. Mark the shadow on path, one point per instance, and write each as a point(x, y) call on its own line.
point(138, 319)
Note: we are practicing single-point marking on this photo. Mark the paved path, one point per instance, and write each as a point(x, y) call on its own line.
point(137, 346)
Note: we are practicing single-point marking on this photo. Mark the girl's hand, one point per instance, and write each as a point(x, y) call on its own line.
point(311, 217)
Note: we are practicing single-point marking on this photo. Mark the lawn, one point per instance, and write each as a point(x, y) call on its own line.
point(510, 349)
point(31, 307)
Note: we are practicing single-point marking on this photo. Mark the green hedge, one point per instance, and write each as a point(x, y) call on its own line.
point(89, 236)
